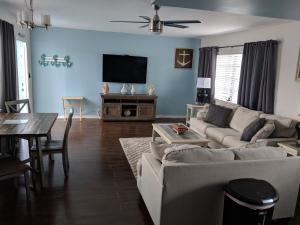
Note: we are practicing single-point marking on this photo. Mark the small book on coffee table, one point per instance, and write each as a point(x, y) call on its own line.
point(179, 128)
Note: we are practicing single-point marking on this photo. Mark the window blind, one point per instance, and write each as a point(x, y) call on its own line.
point(228, 77)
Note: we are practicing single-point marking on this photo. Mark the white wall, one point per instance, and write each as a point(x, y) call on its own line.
point(288, 34)
point(20, 34)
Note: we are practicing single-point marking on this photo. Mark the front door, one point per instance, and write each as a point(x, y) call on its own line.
point(23, 73)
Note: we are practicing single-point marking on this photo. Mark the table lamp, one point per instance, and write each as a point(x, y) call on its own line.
point(203, 90)
point(298, 123)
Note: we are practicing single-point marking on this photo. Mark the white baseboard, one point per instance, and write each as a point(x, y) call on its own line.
point(83, 116)
point(98, 117)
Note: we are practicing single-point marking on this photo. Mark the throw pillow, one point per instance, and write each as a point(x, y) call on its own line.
point(196, 154)
point(158, 149)
point(252, 129)
point(218, 115)
point(264, 132)
point(262, 153)
point(201, 115)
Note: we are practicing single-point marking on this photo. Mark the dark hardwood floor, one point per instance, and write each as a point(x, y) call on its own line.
point(101, 189)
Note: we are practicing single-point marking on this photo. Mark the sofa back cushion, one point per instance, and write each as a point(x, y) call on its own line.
point(242, 118)
point(261, 153)
point(284, 127)
point(218, 115)
point(196, 154)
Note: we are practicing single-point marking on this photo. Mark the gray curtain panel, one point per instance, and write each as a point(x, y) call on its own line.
point(8, 77)
point(207, 66)
point(258, 76)
point(8, 83)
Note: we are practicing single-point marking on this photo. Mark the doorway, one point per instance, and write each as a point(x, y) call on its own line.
point(23, 74)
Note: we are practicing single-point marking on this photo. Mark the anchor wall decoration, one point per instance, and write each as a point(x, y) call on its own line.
point(183, 58)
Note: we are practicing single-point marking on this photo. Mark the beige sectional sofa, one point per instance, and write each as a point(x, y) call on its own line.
point(241, 117)
point(180, 193)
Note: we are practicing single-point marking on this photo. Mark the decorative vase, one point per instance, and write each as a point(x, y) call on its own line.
point(124, 90)
point(151, 89)
point(105, 88)
point(133, 91)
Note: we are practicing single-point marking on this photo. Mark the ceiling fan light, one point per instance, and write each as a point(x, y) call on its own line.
point(156, 27)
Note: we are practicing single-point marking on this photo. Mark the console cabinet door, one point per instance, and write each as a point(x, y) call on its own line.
point(146, 111)
point(111, 111)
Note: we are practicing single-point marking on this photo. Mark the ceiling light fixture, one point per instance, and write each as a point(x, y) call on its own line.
point(25, 18)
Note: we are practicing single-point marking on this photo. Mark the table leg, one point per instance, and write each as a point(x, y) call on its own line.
point(40, 161)
point(64, 109)
point(153, 135)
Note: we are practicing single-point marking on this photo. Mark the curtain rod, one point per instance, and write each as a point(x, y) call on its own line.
point(231, 46)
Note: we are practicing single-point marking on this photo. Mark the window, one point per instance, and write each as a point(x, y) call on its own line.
point(228, 77)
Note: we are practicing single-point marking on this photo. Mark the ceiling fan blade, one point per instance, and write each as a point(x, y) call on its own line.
point(146, 18)
point(121, 21)
point(181, 21)
point(147, 25)
point(175, 25)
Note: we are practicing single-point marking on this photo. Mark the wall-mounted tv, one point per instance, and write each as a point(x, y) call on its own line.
point(124, 69)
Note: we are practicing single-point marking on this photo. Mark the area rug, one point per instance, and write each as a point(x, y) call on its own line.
point(134, 148)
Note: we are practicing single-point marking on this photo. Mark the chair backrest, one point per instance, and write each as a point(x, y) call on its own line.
point(67, 130)
point(17, 106)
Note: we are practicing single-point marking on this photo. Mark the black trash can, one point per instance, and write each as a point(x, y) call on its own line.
point(249, 202)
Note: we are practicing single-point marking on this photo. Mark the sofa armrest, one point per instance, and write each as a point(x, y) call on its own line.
point(150, 185)
point(272, 141)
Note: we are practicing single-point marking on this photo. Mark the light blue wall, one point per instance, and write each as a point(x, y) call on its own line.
point(174, 87)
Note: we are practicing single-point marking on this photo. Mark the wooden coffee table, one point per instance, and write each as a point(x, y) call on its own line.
point(165, 131)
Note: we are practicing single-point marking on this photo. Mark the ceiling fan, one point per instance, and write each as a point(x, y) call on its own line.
point(156, 25)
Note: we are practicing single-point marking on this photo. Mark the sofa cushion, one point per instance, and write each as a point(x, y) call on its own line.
point(264, 132)
point(283, 121)
point(242, 118)
point(234, 141)
point(200, 126)
point(252, 129)
point(218, 134)
point(218, 115)
point(196, 154)
point(284, 127)
point(282, 132)
point(262, 153)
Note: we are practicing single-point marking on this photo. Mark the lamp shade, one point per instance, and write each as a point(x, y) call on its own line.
point(203, 82)
point(46, 21)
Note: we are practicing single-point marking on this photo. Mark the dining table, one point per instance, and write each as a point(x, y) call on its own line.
point(29, 126)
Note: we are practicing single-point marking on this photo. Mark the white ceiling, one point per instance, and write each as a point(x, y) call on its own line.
point(96, 14)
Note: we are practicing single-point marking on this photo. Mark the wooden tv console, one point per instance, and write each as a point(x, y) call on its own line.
point(118, 107)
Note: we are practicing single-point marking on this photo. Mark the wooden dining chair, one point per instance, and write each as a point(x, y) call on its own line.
point(12, 168)
point(17, 106)
point(56, 147)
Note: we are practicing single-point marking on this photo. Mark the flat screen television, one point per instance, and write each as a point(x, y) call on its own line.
point(124, 69)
